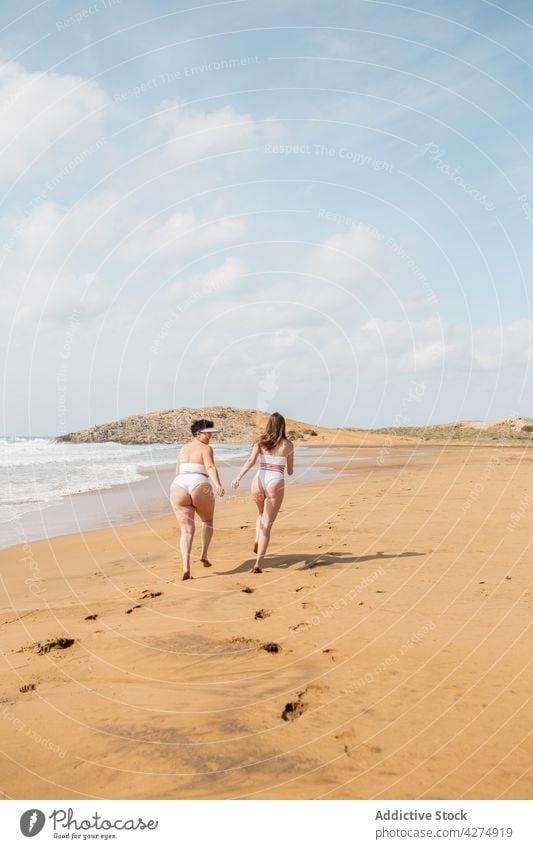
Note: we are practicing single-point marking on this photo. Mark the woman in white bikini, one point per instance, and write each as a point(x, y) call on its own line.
point(191, 491)
point(275, 453)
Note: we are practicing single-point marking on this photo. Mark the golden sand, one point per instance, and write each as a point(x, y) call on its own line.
point(385, 652)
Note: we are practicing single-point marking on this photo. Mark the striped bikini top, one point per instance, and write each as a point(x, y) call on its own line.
point(272, 463)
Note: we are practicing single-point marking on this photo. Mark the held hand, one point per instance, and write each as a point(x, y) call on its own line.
point(235, 483)
point(220, 491)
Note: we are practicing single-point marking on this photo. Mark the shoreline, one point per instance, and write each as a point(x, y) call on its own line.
point(136, 501)
point(399, 599)
point(127, 503)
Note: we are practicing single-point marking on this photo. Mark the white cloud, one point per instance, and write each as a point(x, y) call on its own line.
point(408, 346)
point(193, 133)
point(506, 345)
point(425, 356)
point(57, 255)
point(222, 279)
point(51, 260)
point(344, 256)
point(47, 295)
point(34, 231)
point(37, 108)
point(181, 233)
point(50, 232)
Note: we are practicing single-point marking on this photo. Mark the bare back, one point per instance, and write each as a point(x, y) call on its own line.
point(283, 449)
point(194, 452)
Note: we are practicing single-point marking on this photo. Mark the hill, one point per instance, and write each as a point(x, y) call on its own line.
point(172, 426)
point(513, 429)
point(242, 426)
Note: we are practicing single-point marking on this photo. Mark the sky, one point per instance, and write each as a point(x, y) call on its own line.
point(324, 209)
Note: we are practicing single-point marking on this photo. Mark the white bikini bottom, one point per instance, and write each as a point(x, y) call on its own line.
point(266, 476)
point(191, 476)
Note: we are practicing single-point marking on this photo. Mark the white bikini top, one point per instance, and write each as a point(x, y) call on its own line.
point(192, 469)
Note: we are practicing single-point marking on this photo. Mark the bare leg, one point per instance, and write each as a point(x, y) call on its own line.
point(268, 503)
point(273, 502)
point(258, 497)
point(204, 503)
point(257, 524)
point(184, 511)
point(207, 535)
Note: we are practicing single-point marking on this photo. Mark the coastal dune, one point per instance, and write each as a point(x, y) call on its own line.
point(237, 425)
point(383, 653)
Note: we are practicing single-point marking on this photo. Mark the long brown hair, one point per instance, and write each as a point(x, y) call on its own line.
point(273, 434)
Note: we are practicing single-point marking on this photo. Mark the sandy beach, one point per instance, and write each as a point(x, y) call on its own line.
point(385, 652)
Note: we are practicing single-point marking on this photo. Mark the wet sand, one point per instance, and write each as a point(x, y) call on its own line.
point(385, 652)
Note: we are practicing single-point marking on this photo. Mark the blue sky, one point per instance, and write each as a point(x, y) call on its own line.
point(321, 208)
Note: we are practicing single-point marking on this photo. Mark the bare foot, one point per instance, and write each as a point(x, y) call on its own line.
point(186, 576)
point(255, 547)
point(205, 561)
point(256, 570)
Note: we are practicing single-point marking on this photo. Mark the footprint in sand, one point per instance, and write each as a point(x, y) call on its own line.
point(301, 626)
point(150, 594)
point(135, 607)
point(330, 652)
point(354, 747)
point(247, 643)
point(59, 643)
point(293, 710)
point(27, 688)
point(262, 614)
point(91, 616)
point(271, 648)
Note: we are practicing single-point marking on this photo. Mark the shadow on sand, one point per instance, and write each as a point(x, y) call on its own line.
point(317, 561)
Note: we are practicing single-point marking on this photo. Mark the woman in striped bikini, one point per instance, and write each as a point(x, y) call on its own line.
point(191, 491)
point(275, 453)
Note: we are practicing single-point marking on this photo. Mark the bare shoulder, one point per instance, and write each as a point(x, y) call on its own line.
point(288, 447)
point(207, 453)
